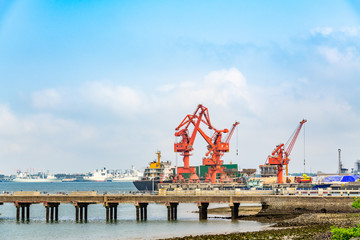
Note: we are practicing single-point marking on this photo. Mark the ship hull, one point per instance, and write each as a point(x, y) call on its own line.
point(40, 180)
point(148, 185)
point(125, 179)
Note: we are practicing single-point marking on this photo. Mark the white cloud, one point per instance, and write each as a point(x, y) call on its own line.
point(348, 57)
point(332, 55)
point(48, 98)
point(166, 88)
point(120, 99)
point(352, 31)
point(349, 31)
point(325, 31)
point(8, 122)
point(267, 116)
point(217, 88)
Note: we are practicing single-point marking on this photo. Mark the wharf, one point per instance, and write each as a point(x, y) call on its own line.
point(287, 203)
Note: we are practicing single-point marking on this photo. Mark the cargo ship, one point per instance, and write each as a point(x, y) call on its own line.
point(158, 172)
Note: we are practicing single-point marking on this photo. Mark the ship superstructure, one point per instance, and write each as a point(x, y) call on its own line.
point(157, 172)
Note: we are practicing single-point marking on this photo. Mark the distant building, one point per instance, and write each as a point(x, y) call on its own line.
point(357, 167)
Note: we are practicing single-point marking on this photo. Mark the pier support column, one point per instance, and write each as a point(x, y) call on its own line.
point(57, 212)
point(172, 210)
point(115, 212)
point(47, 213)
point(22, 212)
point(234, 210)
point(25, 211)
point(107, 209)
point(52, 211)
point(203, 206)
point(111, 211)
point(137, 213)
point(77, 213)
point(81, 212)
point(17, 213)
point(143, 211)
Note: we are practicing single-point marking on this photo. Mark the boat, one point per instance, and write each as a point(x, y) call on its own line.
point(128, 175)
point(158, 172)
point(41, 177)
point(100, 175)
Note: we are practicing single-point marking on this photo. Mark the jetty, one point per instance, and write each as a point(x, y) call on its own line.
point(286, 202)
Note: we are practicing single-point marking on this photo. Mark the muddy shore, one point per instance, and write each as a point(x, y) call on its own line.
point(304, 226)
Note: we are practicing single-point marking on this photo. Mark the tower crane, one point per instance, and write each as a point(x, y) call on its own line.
point(280, 156)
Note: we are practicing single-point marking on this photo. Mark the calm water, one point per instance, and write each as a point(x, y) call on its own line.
point(126, 227)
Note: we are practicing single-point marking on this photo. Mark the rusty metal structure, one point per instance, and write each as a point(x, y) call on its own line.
point(280, 157)
point(215, 149)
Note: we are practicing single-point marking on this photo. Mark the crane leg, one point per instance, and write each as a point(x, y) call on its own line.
point(280, 174)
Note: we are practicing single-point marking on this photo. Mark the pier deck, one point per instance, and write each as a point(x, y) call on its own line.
point(271, 204)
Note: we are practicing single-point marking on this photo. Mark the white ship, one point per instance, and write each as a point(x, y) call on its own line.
point(27, 177)
point(100, 175)
point(129, 175)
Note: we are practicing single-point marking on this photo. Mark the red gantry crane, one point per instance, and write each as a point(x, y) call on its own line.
point(216, 148)
point(185, 146)
point(280, 156)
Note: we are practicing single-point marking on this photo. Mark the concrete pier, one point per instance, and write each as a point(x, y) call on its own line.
point(203, 206)
point(172, 210)
point(271, 204)
point(141, 211)
point(81, 212)
point(53, 208)
point(111, 211)
point(25, 211)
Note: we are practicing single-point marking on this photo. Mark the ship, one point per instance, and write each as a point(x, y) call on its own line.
point(128, 175)
point(100, 175)
point(41, 177)
point(158, 172)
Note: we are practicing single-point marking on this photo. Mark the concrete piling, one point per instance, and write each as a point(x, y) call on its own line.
point(137, 213)
point(234, 210)
point(203, 206)
point(172, 210)
point(141, 209)
point(111, 211)
point(81, 212)
point(25, 211)
point(52, 211)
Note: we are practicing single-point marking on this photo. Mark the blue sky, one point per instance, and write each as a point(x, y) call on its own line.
point(90, 84)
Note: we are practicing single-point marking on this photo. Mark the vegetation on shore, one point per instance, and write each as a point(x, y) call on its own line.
point(345, 232)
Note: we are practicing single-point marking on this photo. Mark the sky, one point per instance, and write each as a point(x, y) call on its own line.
point(92, 84)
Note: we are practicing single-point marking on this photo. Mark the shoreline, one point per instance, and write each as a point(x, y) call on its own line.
point(300, 226)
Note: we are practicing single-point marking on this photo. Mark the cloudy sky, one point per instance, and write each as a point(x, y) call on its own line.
point(91, 84)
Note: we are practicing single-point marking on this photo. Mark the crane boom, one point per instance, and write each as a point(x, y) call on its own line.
point(231, 132)
point(293, 140)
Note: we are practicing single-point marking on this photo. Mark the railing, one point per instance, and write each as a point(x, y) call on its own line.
point(239, 192)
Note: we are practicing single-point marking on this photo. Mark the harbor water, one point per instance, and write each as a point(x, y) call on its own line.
point(156, 227)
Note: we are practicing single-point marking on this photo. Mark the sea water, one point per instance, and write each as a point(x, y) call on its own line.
point(157, 226)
